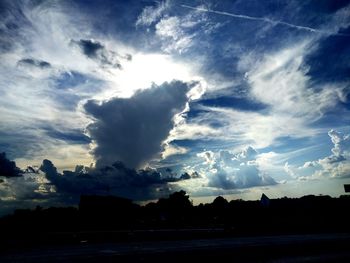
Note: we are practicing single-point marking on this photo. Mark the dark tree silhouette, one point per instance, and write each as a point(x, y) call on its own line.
point(220, 203)
point(111, 218)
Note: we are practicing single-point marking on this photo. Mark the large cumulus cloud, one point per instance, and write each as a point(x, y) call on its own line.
point(227, 170)
point(336, 165)
point(132, 130)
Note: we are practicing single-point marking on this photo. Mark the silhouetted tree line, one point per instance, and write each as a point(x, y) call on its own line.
point(308, 214)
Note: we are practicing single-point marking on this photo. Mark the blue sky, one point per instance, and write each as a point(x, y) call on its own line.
point(244, 96)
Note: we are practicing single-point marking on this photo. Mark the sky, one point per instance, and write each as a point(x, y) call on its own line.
point(143, 98)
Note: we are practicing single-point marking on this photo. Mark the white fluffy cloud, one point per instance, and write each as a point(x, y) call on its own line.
point(341, 144)
point(336, 165)
point(227, 170)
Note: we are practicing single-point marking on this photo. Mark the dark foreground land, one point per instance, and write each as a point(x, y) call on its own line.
point(287, 248)
point(113, 229)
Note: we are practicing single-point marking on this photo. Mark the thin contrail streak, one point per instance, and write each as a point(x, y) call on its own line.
point(263, 19)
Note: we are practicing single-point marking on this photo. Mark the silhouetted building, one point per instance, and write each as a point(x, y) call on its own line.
point(347, 188)
point(264, 200)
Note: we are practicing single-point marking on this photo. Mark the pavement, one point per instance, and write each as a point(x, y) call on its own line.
point(286, 248)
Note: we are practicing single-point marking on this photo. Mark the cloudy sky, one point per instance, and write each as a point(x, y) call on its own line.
point(141, 98)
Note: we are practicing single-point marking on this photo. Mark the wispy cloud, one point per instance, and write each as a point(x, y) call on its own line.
point(265, 20)
point(151, 14)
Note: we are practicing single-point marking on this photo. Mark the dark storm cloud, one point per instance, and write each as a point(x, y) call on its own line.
point(98, 52)
point(132, 130)
point(115, 179)
point(8, 168)
point(34, 62)
point(76, 182)
point(90, 48)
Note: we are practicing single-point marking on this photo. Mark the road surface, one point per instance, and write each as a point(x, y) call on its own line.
point(287, 248)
